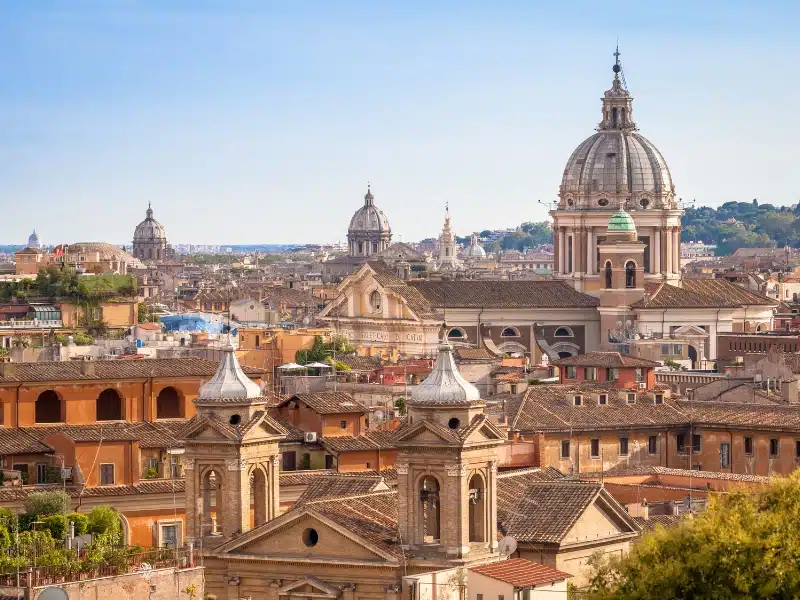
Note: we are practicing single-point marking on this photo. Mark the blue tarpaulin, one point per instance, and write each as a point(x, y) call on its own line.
point(209, 323)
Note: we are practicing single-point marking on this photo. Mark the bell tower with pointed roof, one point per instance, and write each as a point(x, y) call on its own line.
point(231, 454)
point(447, 469)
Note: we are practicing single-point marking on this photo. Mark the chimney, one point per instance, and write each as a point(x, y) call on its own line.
point(789, 391)
point(88, 366)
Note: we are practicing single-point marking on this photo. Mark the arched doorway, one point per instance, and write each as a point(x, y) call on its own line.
point(477, 509)
point(211, 488)
point(429, 510)
point(48, 408)
point(109, 406)
point(693, 356)
point(258, 484)
point(168, 404)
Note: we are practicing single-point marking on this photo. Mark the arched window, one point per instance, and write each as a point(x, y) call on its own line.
point(477, 509)
point(48, 408)
point(510, 332)
point(211, 489)
point(456, 333)
point(614, 117)
point(108, 406)
point(630, 274)
point(258, 485)
point(375, 300)
point(564, 332)
point(168, 404)
point(429, 510)
point(608, 275)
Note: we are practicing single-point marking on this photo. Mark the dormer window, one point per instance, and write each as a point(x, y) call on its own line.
point(631, 399)
point(659, 399)
point(577, 400)
point(602, 399)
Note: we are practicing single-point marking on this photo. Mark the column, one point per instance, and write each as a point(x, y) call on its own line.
point(590, 251)
point(562, 248)
point(651, 249)
point(676, 246)
point(668, 250)
point(574, 251)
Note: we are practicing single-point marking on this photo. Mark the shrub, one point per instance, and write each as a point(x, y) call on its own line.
point(104, 520)
point(44, 504)
point(26, 520)
point(5, 537)
point(150, 473)
point(8, 519)
point(81, 522)
point(57, 525)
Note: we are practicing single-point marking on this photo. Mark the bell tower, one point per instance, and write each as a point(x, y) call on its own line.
point(447, 469)
point(231, 454)
point(621, 272)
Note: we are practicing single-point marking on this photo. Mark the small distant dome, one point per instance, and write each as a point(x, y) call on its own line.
point(33, 241)
point(621, 221)
point(369, 218)
point(475, 250)
point(230, 381)
point(149, 230)
point(445, 385)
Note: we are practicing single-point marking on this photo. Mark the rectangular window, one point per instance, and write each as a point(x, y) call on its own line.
point(169, 536)
point(724, 455)
point(602, 399)
point(613, 374)
point(659, 398)
point(680, 442)
point(571, 373)
point(696, 443)
point(107, 474)
point(623, 446)
point(513, 388)
point(631, 398)
point(639, 374)
point(594, 448)
point(797, 448)
point(666, 349)
point(479, 597)
point(748, 446)
point(774, 447)
point(289, 461)
point(342, 424)
point(578, 400)
point(564, 448)
point(591, 373)
point(677, 349)
point(41, 473)
point(652, 444)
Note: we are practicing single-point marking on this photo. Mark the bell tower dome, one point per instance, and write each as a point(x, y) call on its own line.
point(447, 468)
point(231, 453)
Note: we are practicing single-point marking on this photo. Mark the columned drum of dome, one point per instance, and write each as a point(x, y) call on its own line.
point(369, 232)
point(615, 169)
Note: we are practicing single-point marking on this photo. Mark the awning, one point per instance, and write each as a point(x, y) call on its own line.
point(291, 366)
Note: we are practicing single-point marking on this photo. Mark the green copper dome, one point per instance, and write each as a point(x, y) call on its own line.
point(621, 221)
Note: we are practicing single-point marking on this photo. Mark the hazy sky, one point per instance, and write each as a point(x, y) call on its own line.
point(261, 122)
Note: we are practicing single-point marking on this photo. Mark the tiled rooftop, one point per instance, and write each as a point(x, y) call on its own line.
point(605, 359)
point(503, 294)
point(521, 572)
point(328, 403)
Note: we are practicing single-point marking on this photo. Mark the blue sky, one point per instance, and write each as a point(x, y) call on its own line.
point(261, 122)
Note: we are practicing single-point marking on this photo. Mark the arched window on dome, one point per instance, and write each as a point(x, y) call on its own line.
point(608, 275)
point(456, 333)
point(510, 332)
point(630, 274)
point(614, 117)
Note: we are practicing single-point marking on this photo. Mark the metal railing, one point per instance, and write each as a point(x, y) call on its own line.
point(32, 324)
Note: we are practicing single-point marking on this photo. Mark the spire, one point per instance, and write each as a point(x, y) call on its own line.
point(149, 211)
point(368, 197)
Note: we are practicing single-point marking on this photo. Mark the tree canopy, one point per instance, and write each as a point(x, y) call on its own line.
point(744, 546)
point(322, 351)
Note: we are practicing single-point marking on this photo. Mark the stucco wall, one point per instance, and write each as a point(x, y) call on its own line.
point(165, 584)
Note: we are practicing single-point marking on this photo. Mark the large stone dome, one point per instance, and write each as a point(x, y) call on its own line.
point(617, 166)
point(149, 230)
point(369, 218)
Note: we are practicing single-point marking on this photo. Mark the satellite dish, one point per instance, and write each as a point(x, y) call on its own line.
point(378, 414)
point(508, 545)
point(53, 593)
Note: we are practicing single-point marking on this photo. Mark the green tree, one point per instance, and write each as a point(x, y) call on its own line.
point(103, 520)
point(57, 525)
point(81, 522)
point(744, 546)
point(43, 504)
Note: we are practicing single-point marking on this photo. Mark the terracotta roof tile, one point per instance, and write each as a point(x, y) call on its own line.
point(17, 441)
point(372, 440)
point(329, 403)
point(654, 521)
point(521, 572)
point(503, 294)
point(473, 354)
point(722, 290)
point(359, 363)
point(116, 369)
point(335, 486)
point(605, 359)
point(149, 435)
point(664, 295)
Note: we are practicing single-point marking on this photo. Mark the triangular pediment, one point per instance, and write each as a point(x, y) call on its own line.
point(289, 538)
point(427, 431)
point(207, 429)
point(603, 519)
point(310, 587)
point(487, 431)
point(262, 426)
point(689, 331)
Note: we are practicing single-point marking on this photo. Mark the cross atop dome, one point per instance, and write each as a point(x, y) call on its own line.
point(368, 197)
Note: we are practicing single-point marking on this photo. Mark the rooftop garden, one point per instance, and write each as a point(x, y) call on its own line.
point(64, 283)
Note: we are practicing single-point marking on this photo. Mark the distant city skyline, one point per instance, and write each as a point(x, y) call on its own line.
point(261, 122)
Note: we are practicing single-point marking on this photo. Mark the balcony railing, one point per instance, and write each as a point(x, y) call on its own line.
point(32, 324)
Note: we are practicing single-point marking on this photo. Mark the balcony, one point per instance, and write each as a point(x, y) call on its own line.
point(32, 324)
